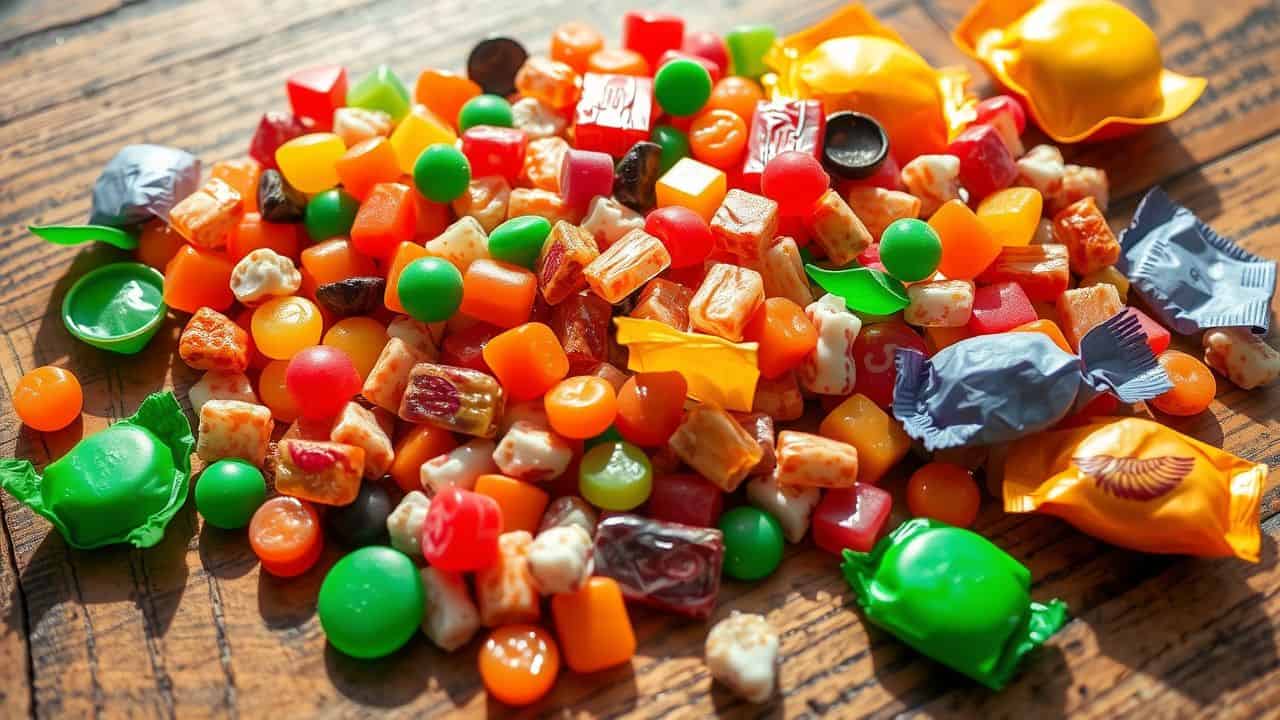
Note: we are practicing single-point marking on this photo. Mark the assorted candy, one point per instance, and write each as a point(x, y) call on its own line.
point(612, 324)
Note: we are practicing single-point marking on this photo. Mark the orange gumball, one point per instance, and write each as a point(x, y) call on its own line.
point(945, 492)
point(581, 407)
point(519, 664)
point(718, 138)
point(650, 407)
point(1193, 385)
point(48, 398)
point(738, 95)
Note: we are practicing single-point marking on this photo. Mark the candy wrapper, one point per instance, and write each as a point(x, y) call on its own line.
point(1135, 483)
point(123, 484)
point(954, 596)
point(717, 371)
point(1190, 276)
point(142, 181)
point(850, 61)
point(1088, 69)
point(997, 388)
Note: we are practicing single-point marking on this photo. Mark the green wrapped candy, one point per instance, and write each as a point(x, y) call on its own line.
point(122, 485)
point(954, 596)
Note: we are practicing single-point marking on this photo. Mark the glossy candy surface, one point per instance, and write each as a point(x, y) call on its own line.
point(910, 250)
point(665, 565)
point(945, 492)
point(286, 536)
point(284, 326)
point(682, 87)
point(795, 180)
point(461, 531)
point(321, 380)
point(229, 492)
point(430, 289)
point(753, 543)
point(1193, 385)
point(48, 399)
point(615, 476)
point(519, 664)
point(581, 407)
point(851, 518)
point(371, 602)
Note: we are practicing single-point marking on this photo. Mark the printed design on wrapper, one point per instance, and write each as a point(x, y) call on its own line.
point(1138, 479)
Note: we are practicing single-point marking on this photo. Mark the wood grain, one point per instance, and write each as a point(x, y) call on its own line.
point(190, 628)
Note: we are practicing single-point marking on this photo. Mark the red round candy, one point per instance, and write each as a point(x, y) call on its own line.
point(683, 231)
point(1001, 104)
point(709, 45)
point(461, 531)
point(322, 379)
point(873, 355)
point(795, 180)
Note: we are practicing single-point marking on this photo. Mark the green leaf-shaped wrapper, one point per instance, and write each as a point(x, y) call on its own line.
point(954, 596)
point(123, 484)
point(865, 290)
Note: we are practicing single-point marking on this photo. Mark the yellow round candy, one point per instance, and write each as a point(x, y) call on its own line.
point(283, 326)
point(1011, 215)
point(361, 338)
point(274, 394)
point(309, 162)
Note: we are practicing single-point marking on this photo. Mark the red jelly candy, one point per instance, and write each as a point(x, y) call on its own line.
point(322, 380)
point(614, 113)
point(494, 151)
point(585, 174)
point(999, 308)
point(795, 180)
point(274, 130)
point(465, 348)
point(685, 234)
point(314, 93)
point(850, 518)
point(665, 565)
point(780, 126)
point(706, 44)
point(685, 499)
point(873, 355)
point(1001, 104)
point(651, 33)
point(461, 530)
point(986, 165)
point(1157, 335)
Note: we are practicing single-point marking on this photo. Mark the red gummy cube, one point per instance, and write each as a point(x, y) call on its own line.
point(314, 93)
point(999, 308)
point(850, 518)
point(274, 130)
point(585, 175)
point(778, 127)
point(986, 165)
point(614, 113)
point(494, 151)
point(686, 499)
point(465, 348)
point(1157, 335)
point(651, 33)
point(461, 531)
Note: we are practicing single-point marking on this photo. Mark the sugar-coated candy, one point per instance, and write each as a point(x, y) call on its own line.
point(1090, 243)
point(782, 270)
point(742, 653)
point(494, 62)
point(943, 491)
point(361, 428)
point(940, 303)
point(726, 300)
point(779, 398)
point(665, 565)
point(459, 467)
point(141, 182)
point(629, 263)
point(697, 186)
point(614, 112)
point(323, 472)
point(879, 438)
point(935, 179)
point(404, 524)
point(451, 617)
point(636, 176)
point(1042, 271)
point(212, 341)
point(519, 664)
point(286, 535)
point(829, 368)
point(561, 559)
point(837, 230)
point(532, 453)
point(1083, 309)
point(593, 627)
point(1193, 385)
point(264, 273)
point(1243, 357)
point(542, 160)
point(615, 476)
point(356, 125)
point(999, 308)
point(234, 429)
point(553, 82)
point(790, 505)
point(581, 324)
point(215, 385)
point(206, 216)
point(877, 207)
point(744, 225)
point(498, 293)
point(506, 592)
point(711, 442)
point(457, 399)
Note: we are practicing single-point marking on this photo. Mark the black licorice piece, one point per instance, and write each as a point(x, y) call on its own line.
point(352, 296)
point(855, 145)
point(493, 64)
point(635, 178)
point(364, 521)
point(278, 201)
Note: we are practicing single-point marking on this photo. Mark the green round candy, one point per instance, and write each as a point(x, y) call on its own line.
point(682, 87)
point(371, 602)
point(430, 289)
point(674, 144)
point(910, 249)
point(752, 543)
point(228, 492)
point(519, 240)
point(330, 214)
point(441, 173)
point(485, 110)
point(615, 476)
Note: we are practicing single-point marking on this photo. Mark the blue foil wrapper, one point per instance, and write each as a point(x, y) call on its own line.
point(998, 388)
point(141, 182)
point(1193, 278)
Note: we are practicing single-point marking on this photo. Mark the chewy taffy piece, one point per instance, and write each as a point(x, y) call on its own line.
point(837, 230)
point(212, 341)
point(1078, 183)
point(262, 275)
point(451, 618)
point(934, 179)
point(814, 461)
point(593, 627)
point(389, 378)
point(664, 301)
point(744, 225)
point(779, 398)
point(711, 442)
point(486, 201)
point(665, 565)
point(506, 591)
point(551, 81)
point(628, 264)
point(323, 472)
point(829, 369)
point(790, 505)
point(458, 399)
point(459, 467)
point(1084, 230)
point(462, 243)
point(877, 207)
point(1243, 357)
point(742, 653)
point(423, 337)
point(569, 510)
point(360, 427)
point(581, 324)
point(1083, 309)
point(404, 524)
point(221, 385)
point(538, 121)
point(234, 429)
point(940, 303)
point(1042, 271)
point(532, 453)
point(206, 216)
point(568, 250)
point(607, 221)
point(561, 559)
point(725, 301)
point(782, 270)
point(543, 158)
point(760, 426)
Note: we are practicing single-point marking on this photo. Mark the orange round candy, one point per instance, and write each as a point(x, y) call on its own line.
point(283, 326)
point(275, 395)
point(738, 95)
point(361, 338)
point(285, 535)
point(945, 492)
point(1193, 385)
point(617, 61)
point(519, 663)
point(650, 407)
point(48, 398)
point(581, 407)
point(718, 138)
point(573, 43)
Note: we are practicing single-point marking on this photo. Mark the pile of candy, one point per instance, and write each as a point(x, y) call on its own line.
point(602, 326)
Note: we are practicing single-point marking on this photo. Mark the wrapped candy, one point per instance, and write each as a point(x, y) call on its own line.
point(666, 565)
point(454, 398)
point(142, 181)
point(1135, 483)
point(717, 371)
point(953, 596)
point(1087, 69)
point(997, 388)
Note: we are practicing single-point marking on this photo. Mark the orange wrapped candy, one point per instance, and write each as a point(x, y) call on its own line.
point(1088, 69)
point(1138, 484)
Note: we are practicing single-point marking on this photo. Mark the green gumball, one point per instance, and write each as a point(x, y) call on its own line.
point(228, 492)
point(910, 250)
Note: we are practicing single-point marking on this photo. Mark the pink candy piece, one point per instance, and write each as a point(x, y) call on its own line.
point(584, 175)
point(999, 308)
point(850, 518)
point(709, 45)
point(494, 151)
point(986, 165)
point(685, 499)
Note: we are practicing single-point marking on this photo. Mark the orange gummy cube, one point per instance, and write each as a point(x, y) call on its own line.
point(553, 82)
point(543, 203)
point(254, 233)
point(1083, 309)
point(1048, 328)
point(542, 160)
point(366, 164)
point(433, 217)
point(444, 93)
point(522, 503)
point(785, 335)
point(498, 293)
point(212, 341)
point(387, 217)
point(528, 360)
point(406, 253)
point(744, 225)
point(206, 216)
point(592, 624)
point(197, 278)
point(695, 185)
point(334, 260)
point(158, 244)
point(1083, 228)
point(726, 300)
point(967, 247)
point(879, 439)
point(629, 263)
point(241, 174)
point(567, 251)
point(419, 445)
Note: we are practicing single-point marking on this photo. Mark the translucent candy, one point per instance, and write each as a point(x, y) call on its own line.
point(323, 472)
point(1110, 276)
point(830, 368)
point(725, 301)
point(1083, 309)
point(308, 162)
point(877, 208)
point(1084, 230)
point(837, 230)
point(1042, 271)
point(941, 303)
point(1011, 215)
point(694, 185)
point(581, 324)
point(544, 204)
point(542, 160)
point(627, 265)
point(664, 565)
point(567, 251)
point(967, 247)
point(686, 499)
point(935, 179)
point(710, 441)
point(986, 165)
point(851, 518)
point(553, 82)
point(456, 399)
point(879, 438)
point(782, 270)
point(999, 308)
point(665, 302)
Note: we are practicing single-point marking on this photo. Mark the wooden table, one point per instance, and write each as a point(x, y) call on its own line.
point(191, 628)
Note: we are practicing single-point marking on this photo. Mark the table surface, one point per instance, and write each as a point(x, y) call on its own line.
point(191, 628)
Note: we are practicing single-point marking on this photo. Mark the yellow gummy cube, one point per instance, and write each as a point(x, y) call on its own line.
point(415, 132)
point(1011, 215)
point(310, 162)
point(880, 440)
point(695, 185)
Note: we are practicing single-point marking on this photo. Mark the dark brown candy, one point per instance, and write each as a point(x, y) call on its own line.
point(665, 565)
point(352, 296)
point(493, 64)
point(278, 201)
point(636, 177)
